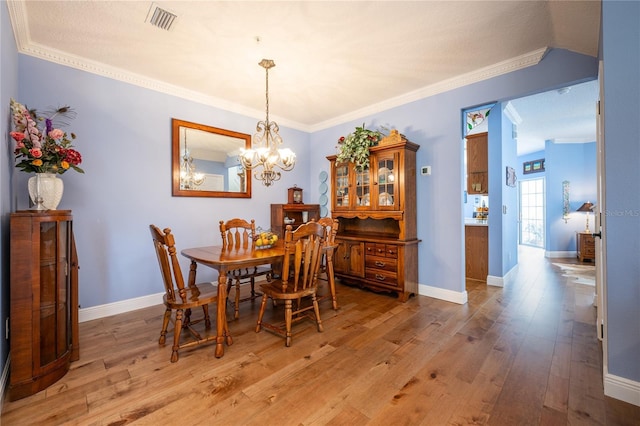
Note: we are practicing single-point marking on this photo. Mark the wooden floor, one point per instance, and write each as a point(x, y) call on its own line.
point(526, 354)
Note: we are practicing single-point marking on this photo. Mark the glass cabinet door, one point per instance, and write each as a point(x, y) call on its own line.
point(342, 186)
point(55, 333)
point(363, 188)
point(387, 172)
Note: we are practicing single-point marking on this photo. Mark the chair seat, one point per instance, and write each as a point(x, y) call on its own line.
point(200, 294)
point(274, 288)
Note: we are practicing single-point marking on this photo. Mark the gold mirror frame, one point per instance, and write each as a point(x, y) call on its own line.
point(204, 137)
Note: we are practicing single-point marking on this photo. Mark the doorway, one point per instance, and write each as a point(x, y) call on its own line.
point(532, 196)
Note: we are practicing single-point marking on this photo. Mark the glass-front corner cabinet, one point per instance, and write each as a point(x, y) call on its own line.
point(43, 334)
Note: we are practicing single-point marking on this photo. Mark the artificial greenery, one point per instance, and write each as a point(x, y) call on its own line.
point(355, 146)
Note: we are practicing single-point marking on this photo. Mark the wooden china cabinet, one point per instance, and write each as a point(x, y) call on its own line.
point(376, 209)
point(43, 300)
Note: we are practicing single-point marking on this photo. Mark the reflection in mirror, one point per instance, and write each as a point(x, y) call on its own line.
point(205, 161)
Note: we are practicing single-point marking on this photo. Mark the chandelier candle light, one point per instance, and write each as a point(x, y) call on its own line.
point(189, 178)
point(264, 151)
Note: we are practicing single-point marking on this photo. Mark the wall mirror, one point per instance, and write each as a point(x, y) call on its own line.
point(205, 161)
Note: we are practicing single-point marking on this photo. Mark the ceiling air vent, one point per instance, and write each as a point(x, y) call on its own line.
point(160, 18)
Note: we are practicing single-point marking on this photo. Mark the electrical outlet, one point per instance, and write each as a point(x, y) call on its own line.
point(425, 170)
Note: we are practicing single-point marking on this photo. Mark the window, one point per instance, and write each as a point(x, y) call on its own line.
point(532, 212)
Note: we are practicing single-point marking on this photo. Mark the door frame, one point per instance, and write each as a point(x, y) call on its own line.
point(600, 221)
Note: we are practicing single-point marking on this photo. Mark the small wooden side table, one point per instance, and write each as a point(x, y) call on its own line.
point(585, 246)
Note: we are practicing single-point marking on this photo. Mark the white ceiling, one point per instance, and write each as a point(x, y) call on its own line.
point(335, 61)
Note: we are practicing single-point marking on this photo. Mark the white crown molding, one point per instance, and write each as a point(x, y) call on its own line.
point(17, 13)
point(504, 67)
point(512, 113)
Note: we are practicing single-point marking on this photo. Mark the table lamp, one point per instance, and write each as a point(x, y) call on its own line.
point(586, 207)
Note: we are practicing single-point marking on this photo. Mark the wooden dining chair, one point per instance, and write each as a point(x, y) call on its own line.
point(299, 279)
point(181, 299)
point(325, 272)
point(239, 233)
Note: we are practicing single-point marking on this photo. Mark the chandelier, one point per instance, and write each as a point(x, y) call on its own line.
point(189, 178)
point(265, 152)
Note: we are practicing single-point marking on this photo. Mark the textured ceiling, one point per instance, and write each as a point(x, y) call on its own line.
point(334, 60)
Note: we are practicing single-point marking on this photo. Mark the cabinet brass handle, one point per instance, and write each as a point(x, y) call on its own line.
point(380, 264)
point(380, 277)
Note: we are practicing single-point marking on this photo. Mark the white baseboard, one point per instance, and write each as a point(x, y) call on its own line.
point(623, 389)
point(560, 254)
point(495, 281)
point(501, 281)
point(3, 381)
point(101, 311)
point(459, 297)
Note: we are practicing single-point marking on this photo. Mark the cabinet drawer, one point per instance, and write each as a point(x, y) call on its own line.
point(381, 263)
point(383, 277)
point(383, 250)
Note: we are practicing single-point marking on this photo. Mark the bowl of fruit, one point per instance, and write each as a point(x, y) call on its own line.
point(265, 240)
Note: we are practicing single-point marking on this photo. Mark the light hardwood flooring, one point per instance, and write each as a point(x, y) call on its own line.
point(525, 354)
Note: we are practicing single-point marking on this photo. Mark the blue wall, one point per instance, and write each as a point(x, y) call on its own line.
point(8, 89)
point(508, 209)
point(124, 136)
point(575, 163)
point(621, 57)
point(434, 123)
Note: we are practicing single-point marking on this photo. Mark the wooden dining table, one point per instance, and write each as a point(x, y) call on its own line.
point(225, 259)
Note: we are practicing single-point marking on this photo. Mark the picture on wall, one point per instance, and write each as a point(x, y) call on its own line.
point(534, 166)
point(511, 176)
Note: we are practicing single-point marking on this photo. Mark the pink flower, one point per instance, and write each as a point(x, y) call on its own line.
point(35, 152)
point(17, 136)
point(56, 134)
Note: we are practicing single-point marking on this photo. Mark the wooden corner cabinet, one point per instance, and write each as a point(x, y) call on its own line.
point(478, 163)
point(43, 336)
point(300, 213)
point(376, 211)
point(585, 246)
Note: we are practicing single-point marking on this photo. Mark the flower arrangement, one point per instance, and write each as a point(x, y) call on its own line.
point(38, 152)
point(355, 146)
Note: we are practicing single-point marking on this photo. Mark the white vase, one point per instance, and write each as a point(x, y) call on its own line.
point(45, 190)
